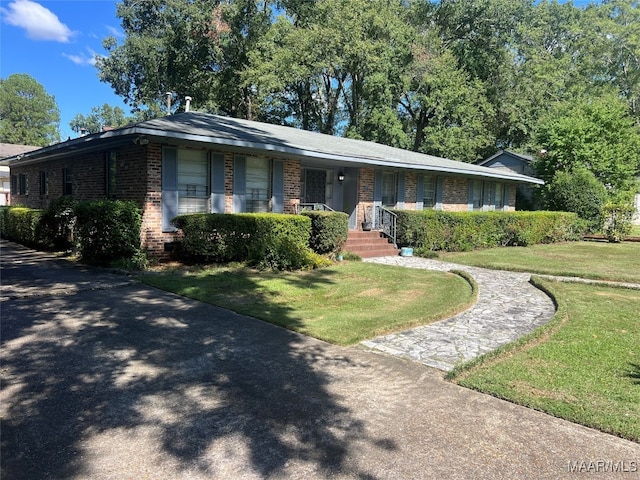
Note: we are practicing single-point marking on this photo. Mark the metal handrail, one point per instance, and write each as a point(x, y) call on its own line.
point(387, 223)
point(321, 207)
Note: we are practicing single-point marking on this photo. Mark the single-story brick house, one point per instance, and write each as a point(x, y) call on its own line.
point(195, 162)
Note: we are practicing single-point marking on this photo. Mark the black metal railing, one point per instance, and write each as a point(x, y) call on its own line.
point(387, 222)
point(313, 207)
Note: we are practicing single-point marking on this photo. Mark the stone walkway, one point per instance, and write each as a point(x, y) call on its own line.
point(508, 307)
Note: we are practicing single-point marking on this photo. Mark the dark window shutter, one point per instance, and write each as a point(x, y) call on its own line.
point(239, 183)
point(278, 187)
point(400, 194)
point(217, 183)
point(169, 188)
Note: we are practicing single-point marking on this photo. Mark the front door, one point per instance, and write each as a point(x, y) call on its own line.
point(315, 186)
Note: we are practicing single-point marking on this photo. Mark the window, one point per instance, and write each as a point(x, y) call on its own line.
point(110, 174)
point(44, 183)
point(19, 184)
point(389, 189)
point(193, 182)
point(317, 186)
point(67, 184)
point(429, 183)
point(258, 184)
point(477, 194)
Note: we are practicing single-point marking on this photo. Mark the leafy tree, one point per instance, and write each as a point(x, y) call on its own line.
point(444, 110)
point(611, 48)
point(543, 72)
point(593, 133)
point(577, 191)
point(28, 115)
point(197, 48)
point(336, 67)
point(104, 116)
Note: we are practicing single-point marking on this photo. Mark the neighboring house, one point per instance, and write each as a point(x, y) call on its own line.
point(194, 162)
point(507, 161)
point(9, 150)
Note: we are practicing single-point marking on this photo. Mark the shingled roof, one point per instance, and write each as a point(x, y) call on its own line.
point(276, 140)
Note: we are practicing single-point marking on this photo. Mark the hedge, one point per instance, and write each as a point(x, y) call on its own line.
point(103, 231)
point(108, 230)
point(329, 231)
point(264, 240)
point(464, 231)
point(22, 225)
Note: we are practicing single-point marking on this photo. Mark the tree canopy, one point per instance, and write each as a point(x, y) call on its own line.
point(99, 118)
point(28, 115)
point(454, 78)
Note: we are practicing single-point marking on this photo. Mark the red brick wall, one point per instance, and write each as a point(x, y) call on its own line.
point(455, 193)
point(365, 194)
point(88, 177)
point(410, 191)
point(292, 193)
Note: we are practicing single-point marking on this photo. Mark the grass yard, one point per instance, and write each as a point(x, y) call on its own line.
point(584, 366)
point(596, 260)
point(342, 304)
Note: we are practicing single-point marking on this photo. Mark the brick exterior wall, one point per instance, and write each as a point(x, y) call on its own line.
point(139, 178)
point(365, 195)
point(410, 191)
point(455, 194)
point(292, 193)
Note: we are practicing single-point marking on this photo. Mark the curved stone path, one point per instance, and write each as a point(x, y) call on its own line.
point(508, 307)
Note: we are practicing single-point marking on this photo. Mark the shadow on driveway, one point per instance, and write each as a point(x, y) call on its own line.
point(81, 370)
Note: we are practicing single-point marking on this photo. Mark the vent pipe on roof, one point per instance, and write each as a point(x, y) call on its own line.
point(168, 94)
point(187, 104)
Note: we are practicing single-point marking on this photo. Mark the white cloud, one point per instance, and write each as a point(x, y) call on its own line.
point(87, 58)
point(39, 22)
point(114, 32)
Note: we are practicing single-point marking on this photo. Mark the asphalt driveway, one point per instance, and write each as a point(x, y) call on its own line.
point(105, 378)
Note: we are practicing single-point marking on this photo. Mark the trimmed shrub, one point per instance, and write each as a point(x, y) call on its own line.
point(264, 240)
point(58, 223)
point(431, 230)
point(617, 221)
point(108, 230)
point(22, 225)
point(577, 191)
point(329, 231)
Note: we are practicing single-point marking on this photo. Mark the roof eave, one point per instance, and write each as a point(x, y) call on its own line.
point(122, 134)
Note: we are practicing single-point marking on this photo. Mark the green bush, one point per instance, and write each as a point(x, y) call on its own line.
point(577, 191)
point(431, 230)
point(329, 231)
point(22, 225)
point(267, 241)
point(108, 230)
point(58, 223)
point(617, 221)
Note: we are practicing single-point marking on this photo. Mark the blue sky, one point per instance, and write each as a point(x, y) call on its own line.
point(56, 43)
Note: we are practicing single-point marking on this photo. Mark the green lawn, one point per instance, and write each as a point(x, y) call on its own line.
point(584, 366)
point(596, 260)
point(343, 304)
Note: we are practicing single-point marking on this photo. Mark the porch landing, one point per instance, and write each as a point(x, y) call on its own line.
point(369, 244)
